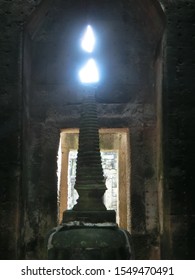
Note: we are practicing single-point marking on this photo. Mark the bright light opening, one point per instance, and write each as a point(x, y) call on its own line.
point(89, 73)
point(88, 40)
point(110, 171)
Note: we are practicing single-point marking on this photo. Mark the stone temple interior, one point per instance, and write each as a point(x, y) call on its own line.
point(145, 103)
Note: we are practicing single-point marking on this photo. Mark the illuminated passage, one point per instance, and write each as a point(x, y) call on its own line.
point(114, 145)
point(110, 169)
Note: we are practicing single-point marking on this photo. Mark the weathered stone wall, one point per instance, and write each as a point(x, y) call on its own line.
point(179, 133)
point(12, 15)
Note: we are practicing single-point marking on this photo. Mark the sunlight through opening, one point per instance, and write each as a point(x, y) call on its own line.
point(89, 73)
point(88, 40)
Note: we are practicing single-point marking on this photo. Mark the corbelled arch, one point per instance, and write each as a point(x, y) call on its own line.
point(129, 35)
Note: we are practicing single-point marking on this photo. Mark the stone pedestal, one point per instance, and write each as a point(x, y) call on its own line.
point(88, 241)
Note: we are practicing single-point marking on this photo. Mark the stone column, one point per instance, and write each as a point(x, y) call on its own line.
point(90, 183)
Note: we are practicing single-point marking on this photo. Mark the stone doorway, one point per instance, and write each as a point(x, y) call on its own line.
point(114, 146)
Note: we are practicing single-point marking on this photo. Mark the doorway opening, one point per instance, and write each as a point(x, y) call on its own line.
point(114, 146)
point(110, 170)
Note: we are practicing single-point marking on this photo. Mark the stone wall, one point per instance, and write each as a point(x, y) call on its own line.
point(179, 133)
point(12, 16)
